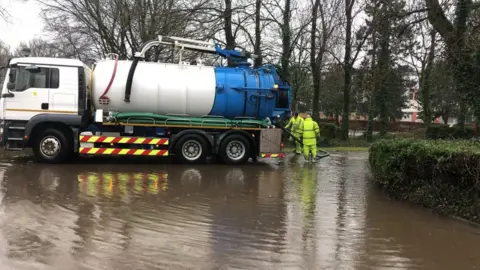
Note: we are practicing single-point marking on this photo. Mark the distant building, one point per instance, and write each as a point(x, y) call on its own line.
point(412, 113)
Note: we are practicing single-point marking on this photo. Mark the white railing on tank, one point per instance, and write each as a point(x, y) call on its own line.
point(179, 44)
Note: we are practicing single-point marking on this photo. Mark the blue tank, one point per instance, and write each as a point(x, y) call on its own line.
point(244, 91)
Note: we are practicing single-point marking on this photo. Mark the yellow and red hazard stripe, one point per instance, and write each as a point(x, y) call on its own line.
point(123, 140)
point(269, 155)
point(123, 152)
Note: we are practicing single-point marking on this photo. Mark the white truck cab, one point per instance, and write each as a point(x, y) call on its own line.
point(40, 95)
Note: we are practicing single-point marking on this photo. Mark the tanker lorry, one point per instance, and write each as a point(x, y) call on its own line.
point(61, 108)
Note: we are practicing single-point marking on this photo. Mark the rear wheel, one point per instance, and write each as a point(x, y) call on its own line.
point(192, 148)
point(52, 146)
point(235, 150)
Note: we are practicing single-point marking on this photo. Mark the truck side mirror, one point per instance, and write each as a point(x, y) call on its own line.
point(32, 69)
point(10, 86)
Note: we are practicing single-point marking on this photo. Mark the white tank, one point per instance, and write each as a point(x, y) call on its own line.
point(156, 88)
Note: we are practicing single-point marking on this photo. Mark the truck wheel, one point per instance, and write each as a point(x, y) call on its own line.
point(52, 146)
point(235, 150)
point(191, 148)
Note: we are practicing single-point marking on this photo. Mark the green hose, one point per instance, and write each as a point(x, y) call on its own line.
point(151, 118)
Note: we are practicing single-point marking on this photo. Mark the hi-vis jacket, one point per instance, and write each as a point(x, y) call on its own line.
point(309, 130)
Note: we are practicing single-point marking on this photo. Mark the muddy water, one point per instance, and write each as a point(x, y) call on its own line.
point(275, 215)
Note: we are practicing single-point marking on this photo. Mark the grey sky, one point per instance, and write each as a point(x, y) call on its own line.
point(24, 22)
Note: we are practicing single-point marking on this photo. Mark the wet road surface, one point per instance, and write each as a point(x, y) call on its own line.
point(273, 215)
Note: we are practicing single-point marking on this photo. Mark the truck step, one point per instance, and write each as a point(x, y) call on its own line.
point(14, 149)
point(14, 139)
point(17, 128)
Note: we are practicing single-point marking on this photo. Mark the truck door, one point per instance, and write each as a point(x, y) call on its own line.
point(63, 99)
point(31, 92)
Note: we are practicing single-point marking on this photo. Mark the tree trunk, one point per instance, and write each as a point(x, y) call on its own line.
point(286, 41)
point(347, 69)
point(313, 60)
point(317, 84)
point(258, 52)
point(445, 116)
point(427, 110)
point(384, 69)
point(294, 98)
point(373, 81)
point(230, 40)
point(462, 114)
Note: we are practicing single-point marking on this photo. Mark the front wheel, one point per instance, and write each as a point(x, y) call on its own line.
point(52, 146)
point(235, 150)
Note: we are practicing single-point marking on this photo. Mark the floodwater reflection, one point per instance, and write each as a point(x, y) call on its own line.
point(277, 215)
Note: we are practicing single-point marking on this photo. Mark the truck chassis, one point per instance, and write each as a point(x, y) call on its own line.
point(233, 146)
point(57, 142)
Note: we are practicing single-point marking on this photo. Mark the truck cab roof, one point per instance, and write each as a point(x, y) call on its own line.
point(47, 61)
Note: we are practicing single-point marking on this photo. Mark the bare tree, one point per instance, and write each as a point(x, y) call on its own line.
point(352, 51)
point(122, 26)
point(3, 13)
point(327, 12)
point(301, 73)
point(286, 23)
point(5, 54)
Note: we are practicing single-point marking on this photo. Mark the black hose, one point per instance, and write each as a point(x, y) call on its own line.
point(128, 89)
point(291, 135)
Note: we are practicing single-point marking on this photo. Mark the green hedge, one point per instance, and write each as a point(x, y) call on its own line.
point(441, 175)
point(328, 133)
point(442, 131)
point(328, 130)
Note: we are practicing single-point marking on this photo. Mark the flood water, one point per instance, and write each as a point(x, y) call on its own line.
point(271, 215)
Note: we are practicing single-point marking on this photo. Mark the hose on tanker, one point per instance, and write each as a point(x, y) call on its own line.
point(103, 99)
point(319, 156)
point(92, 70)
point(90, 98)
point(128, 89)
